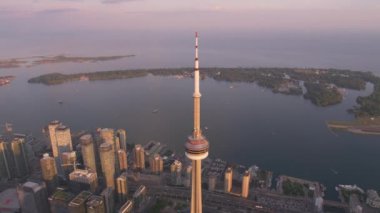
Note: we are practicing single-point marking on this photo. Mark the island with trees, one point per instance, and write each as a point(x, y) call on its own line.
point(322, 86)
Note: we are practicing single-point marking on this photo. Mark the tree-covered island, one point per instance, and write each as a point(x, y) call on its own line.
point(322, 85)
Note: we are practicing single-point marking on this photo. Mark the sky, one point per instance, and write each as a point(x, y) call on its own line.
point(29, 27)
point(20, 15)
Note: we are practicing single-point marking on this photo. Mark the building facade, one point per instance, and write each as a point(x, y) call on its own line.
point(107, 159)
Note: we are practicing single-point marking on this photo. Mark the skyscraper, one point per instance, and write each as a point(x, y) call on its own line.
point(88, 152)
point(53, 140)
point(63, 138)
point(122, 187)
point(156, 164)
point(107, 135)
point(33, 197)
point(107, 159)
point(109, 199)
point(139, 155)
point(245, 184)
point(13, 157)
point(5, 172)
point(197, 146)
point(49, 172)
point(176, 170)
point(228, 180)
point(122, 156)
point(20, 161)
point(121, 134)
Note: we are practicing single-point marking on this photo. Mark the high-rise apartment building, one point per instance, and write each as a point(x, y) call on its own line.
point(228, 180)
point(156, 164)
point(109, 199)
point(122, 187)
point(20, 161)
point(139, 156)
point(63, 138)
point(88, 152)
point(108, 135)
point(123, 162)
point(33, 197)
point(107, 159)
point(49, 172)
point(5, 172)
point(245, 184)
point(121, 134)
point(53, 140)
point(176, 172)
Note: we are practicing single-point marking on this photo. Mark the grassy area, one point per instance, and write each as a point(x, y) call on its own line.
point(160, 205)
point(292, 188)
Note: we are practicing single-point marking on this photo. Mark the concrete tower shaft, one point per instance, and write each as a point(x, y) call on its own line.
point(197, 145)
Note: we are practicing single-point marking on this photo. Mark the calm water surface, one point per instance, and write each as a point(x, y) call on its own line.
point(247, 124)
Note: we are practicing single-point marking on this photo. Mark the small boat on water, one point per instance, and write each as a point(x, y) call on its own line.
point(334, 171)
point(155, 111)
point(60, 102)
point(206, 127)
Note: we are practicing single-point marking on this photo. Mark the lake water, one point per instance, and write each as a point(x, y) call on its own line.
point(247, 124)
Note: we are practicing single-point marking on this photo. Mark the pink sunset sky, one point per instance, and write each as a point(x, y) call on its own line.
point(320, 15)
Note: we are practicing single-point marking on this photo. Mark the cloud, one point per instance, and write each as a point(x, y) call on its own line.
point(71, 0)
point(116, 1)
point(57, 11)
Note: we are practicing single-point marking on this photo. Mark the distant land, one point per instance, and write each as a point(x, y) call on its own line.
point(40, 60)
point(5, 80)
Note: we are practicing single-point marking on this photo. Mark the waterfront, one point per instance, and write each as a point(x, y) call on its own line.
point(246, 124)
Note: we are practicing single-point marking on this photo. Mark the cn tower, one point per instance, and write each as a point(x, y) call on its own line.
point(197, 145)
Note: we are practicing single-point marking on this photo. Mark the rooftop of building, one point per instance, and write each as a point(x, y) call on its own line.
point(105, 147)
point(62, 128)
point(82, 173)
point(62, 195)
point(127, 206)
point(9, 200)
point(87, 138)
point(32, 185)
point(80, 198)
point(54, 122)
point(94, 201)
point(141, 190)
